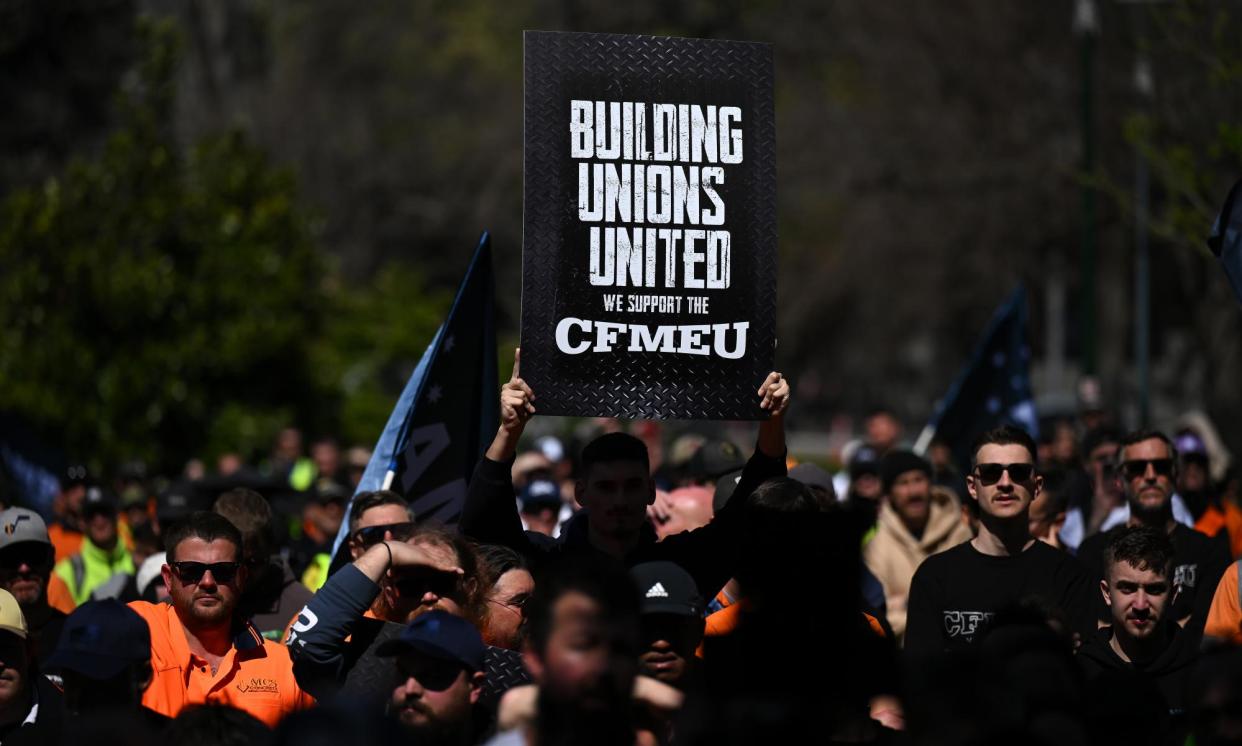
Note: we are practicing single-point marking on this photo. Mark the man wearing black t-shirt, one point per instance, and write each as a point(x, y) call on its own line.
point(955, 594)
point(1148, 470)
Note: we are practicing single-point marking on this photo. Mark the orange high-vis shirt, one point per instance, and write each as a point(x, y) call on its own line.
point(256, 676)
point(1224, 620)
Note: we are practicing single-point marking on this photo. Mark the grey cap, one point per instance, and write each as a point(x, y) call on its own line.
point(21, 524)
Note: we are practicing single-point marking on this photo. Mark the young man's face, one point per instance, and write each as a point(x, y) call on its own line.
point(434, 697)
point(1002, 495)
point(380, 515)
point(587, 660)
point(910, 496)
point(1100, 462)
point(1136, 598)
point(1147, 476)
point(617, 494)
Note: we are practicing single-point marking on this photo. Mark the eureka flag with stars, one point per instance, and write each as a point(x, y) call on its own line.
point(994, 387)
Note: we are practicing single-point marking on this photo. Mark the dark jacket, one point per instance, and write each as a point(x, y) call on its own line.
point(48, 722)
point(709, 554)
point(1168, 670)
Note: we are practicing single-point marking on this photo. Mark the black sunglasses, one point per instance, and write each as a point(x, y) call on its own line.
point(990, 474)
point(433, 674)
point(26, 553)
point(372, 535)
point(414, 582)
point(1138, 467)
point(192, 572)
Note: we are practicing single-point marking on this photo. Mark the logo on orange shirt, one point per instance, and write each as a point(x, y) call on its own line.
point(255, 685)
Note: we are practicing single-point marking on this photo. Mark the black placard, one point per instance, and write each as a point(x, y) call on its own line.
point(649, 261)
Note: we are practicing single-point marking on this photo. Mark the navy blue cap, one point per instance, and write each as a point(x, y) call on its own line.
point(101, 638)
point(441, 635)
point(540, 493)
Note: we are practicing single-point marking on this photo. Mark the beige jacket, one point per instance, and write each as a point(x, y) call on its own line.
point(893, 554)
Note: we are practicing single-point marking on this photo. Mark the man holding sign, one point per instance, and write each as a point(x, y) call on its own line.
point(615, 488)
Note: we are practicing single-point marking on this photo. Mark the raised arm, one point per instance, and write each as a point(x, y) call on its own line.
point(318, 638)
point(489, 514)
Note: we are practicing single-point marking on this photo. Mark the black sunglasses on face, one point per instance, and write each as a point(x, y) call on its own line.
point(192, 572)
point(413, 583)
point(990, 474)
point(1138, 467)
point(372, 535)
point(34, 555)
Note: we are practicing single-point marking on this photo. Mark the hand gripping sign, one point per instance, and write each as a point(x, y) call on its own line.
point(649, 264)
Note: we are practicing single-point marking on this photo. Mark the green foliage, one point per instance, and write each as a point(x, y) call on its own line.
point(160, 303)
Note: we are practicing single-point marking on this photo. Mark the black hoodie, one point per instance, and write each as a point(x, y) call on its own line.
point(1169, 669)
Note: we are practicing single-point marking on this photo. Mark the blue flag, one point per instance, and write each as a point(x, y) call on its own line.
point(993, 389)
point(1226, 238)
point(447, 413)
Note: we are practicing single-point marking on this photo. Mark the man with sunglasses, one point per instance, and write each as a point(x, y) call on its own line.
point(201, 651)
point(376, 516)
point(335, 639)
point(955, 594)
point(26, 555)
point(1147, 468)
point(439, 675)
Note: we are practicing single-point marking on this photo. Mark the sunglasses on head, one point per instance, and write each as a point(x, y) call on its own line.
point(990, 474)
point(372, 535)
point(193, 572)
point(1138, 467)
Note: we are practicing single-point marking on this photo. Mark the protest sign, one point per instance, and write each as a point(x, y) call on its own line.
point(649, 244)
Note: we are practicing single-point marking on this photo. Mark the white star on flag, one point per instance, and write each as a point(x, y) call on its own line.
point(449, 343)
point(435, 394)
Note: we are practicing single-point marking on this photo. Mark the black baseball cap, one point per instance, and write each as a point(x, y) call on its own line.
point(540, 493)
point(101, 638)
point(665, 588)
point(440, 635)
point(714, 459)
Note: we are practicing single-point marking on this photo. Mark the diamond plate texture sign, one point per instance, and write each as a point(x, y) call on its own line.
point(649, 235)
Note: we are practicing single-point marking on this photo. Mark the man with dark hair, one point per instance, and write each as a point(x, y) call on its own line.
point(1142, 638)
point(583, 655)
point(375, 516)
point(1147, 465)
point(201, 651)
point(273, 596)
point(916, 521)
point(954, 594)
point(1099, 449)
point(614, 488)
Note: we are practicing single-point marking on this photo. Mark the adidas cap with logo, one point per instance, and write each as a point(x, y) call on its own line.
point(665, 588)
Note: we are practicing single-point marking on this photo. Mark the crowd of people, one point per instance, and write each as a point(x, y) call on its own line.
point(1079, 589)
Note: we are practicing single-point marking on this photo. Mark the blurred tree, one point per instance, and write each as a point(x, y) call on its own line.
point(160, 304)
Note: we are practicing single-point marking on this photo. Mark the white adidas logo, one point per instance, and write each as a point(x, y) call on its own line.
point(657, 591)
